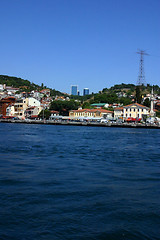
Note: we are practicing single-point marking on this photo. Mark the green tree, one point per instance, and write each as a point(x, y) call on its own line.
point(138, 94)
point(158, 114)
point(147, 102)
point(64, 106)
point(125, 101)
point(44, 113)
point(86, 105)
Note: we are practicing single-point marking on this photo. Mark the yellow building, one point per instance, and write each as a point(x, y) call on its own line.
point(20, 107)
point(91, 113)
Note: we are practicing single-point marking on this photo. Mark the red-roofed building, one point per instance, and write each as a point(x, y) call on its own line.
point(45, 92)
point(131, 111)
point(91, 113)
point(4, 103)
point(135, 110)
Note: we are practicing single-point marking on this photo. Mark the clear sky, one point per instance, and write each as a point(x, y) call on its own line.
point(89, 43)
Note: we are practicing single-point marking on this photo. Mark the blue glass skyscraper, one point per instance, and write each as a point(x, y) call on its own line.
point(85, 91)
point(74, 90)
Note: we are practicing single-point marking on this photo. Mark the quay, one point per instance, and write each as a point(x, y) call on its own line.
point(89, 124)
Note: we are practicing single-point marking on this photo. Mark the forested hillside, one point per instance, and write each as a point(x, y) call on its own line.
point(25, 85)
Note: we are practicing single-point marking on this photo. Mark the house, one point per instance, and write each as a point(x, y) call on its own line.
point(33, 102)
point(45, 92)
point(118, 112)
point(23, 107)
point(20, 107)
point(11, 90)
point(10, 110)
point(54, 115)
point(32, 112)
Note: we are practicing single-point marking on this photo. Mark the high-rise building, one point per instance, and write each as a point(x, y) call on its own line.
point(85, 91)
point(74, 90)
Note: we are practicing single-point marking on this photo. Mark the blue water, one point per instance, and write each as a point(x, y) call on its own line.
point(68, 182)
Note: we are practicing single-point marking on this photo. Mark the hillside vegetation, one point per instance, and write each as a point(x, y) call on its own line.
point(25, 85)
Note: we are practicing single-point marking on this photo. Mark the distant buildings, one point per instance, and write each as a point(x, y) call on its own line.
point(85, 91)
point(74, 90)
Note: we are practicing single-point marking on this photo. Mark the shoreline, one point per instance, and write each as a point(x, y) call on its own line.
point(87, 124)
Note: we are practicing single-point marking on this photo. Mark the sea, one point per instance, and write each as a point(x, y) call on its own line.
point(79, 183)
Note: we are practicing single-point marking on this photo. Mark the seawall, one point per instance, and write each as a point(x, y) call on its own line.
point(89, 124)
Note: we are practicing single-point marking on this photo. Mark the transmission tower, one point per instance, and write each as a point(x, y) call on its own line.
point(141, 77)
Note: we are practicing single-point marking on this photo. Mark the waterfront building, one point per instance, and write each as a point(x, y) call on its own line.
point(91, 113)
point(32, 112)
point(27, 107)
point(10, 110)
point(135, 110)
point(118, 112)
point(74, 90)
point(20, 107)
point(4, 103)
point(54, 115)
point(85, 91)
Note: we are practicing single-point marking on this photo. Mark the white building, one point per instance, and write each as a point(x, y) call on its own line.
point(32, 102)
point(1, 87)
point(118, 112)
point(10, 110)
point(135, 110)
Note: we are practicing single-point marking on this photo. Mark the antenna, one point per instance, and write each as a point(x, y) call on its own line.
point(141, 77)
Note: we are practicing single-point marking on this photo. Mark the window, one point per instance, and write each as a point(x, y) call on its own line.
point(126, 114)
point(130, 114)
point(130, 109)
point(134, 109)
point(142, 109)
point(138, 109)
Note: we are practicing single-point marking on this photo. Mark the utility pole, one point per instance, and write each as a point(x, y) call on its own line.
point(141, 77)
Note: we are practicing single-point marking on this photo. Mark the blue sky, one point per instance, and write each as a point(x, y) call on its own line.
point(89, 43)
